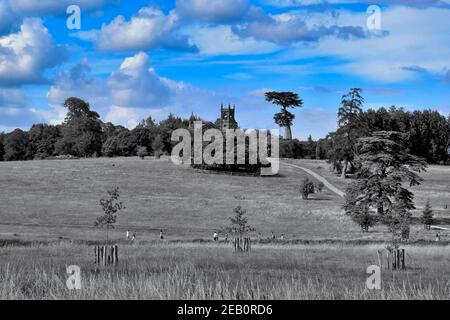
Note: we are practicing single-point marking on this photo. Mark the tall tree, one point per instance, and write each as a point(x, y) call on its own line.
point(286, 100)
point(385, 171)
point(350, 126)
point(81, 130)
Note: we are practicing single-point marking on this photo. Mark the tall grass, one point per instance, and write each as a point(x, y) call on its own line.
point(214, 272)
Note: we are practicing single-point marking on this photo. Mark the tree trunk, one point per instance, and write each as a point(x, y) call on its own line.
point(344, 169)
point(287, 133)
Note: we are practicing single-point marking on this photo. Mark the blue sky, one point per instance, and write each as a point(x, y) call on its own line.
point(132, 59)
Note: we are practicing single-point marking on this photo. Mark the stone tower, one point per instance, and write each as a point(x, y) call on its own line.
point(227, 119)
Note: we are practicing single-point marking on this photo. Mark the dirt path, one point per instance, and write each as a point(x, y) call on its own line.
point(327, 184)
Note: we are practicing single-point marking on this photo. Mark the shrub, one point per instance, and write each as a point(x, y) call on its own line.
point(306, 188)
point(142, 152)
point(320, 187)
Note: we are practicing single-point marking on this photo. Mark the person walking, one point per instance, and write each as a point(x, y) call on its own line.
point(161, 235)
point(128, 234)
point(215, 236)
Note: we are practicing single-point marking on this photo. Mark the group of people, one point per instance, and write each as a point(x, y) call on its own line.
point(133, 236)
point(216, 237)
point(272, 237)
point(129, 237)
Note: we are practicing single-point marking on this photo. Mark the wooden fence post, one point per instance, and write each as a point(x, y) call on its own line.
point(403, 260)
point(106, 255)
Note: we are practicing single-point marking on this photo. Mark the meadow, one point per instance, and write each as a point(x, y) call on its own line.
point(59, 200)
point(210, 271)
point(47, 211)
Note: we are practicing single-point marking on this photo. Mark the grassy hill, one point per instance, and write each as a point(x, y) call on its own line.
point(54, 199)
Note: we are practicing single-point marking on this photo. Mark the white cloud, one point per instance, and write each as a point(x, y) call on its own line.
point(131, 117)
point(416, 38)
point(25, 55)
point(136, 85)
point(220, 40)
point(148, 29)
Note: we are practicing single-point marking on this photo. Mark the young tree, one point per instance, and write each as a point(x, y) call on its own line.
point(285, 100)
point(111, 207)
point(239, 224)
point(427, 216)
point(306, 188)
point(385, 170)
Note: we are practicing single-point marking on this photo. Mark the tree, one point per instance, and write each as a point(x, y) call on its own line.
point(320, 187)
point(142, 152)
point(385, 171)
point(81, 130)
point(158, 146)
point(239, 224)
point(121, 142)
point(359, 212)
point(42, 140)
point(110, 206)
point(306, 188)
point(286, 100)
point(16, 146)
point(427, 216)
point(350, 126)
point(2, 148)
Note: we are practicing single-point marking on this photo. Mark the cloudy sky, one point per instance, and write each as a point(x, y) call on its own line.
point(132, 59)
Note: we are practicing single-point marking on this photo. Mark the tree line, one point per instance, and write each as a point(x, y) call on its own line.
point(427, 133)
point(83, 134)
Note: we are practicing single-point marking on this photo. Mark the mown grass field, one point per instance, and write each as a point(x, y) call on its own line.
point(48, 200)
point(52, 199)
point(55, 203)
point(188, 271)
